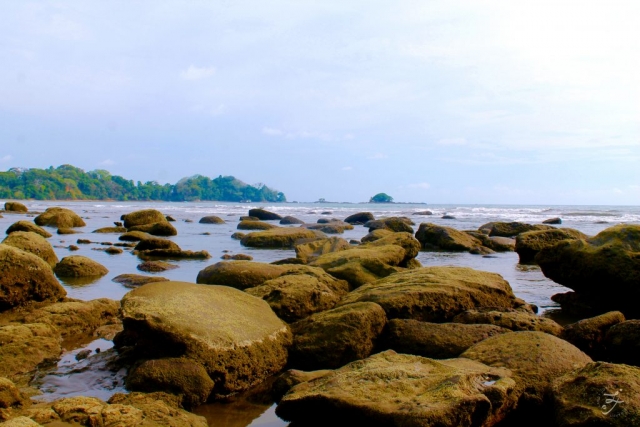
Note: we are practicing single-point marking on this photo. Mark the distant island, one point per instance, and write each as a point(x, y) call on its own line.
point(381, 198)
point(68, 182)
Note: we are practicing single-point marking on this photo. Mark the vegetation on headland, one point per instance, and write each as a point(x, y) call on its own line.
point(381, 198)
point(68, 182)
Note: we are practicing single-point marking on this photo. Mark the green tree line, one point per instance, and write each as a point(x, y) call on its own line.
point(68, 182)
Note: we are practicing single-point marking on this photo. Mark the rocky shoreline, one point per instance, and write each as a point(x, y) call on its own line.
point(344, 332)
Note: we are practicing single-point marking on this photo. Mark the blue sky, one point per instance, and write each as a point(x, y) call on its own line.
point(438, 102)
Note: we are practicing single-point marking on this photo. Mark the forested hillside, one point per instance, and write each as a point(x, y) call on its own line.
point(68, 182)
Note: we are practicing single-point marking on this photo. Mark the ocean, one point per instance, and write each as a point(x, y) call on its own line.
point(527, 282)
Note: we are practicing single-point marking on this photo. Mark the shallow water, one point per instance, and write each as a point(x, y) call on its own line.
point(93, 377)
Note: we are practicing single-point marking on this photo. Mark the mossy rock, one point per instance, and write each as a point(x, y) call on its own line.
point(155, 243)
point(239, 274)
point(135, 236)
point(589, 334)
point(290, 220)
point(435, 340)
point(155, 266)
point(34, 244)
point(622, 342)
point(28, 226)
point(172, 254)
point(439, 238)
point(292, 377)
point(530, 243)
point(136, 280)
point(359, 218)
point(333, 338)
point(255, 225)
point(308, 252)
point(237, 257)
point(211, 219)
point(15, 207)
point(64, 230)
point(25, 277)
point(59, 218)
point(79, 266)
point(119, 230)
point(263, 215)
point(511, 229)
point(397, 224)
point(435, 294)
point(281, 237)
point(405, 240)
point(143, 217)
point(238, 235)
point(332, 227)
point(156, 229)
point(25, 347)
point(514, 320)
point(534, 358)
point(375, 235)
point(235, 336)
point(598, 394)
point(390, 389)
point(179, 376)
point(604, 269)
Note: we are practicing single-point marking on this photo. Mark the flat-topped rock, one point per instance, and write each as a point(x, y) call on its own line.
point(28, 226)
point(236, 337)
point(239, 274)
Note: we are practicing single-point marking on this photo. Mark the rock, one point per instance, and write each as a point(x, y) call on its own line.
point(182, 377)
point(332, 338)
point(589, 334)
point(21, 421)
point(173, 254)
point(255, 225)
point(235, 336)
point(495, 243)
point(118, 224)
point(515, 320)
point(308, 252)
point(326, 213)
point(73, 248)
point(212, 219)
point(406, 241)
point(60, 218)
point(423, 213)
point(332, 227)
point(155, 243)
point(288, 220)
point(528, 244)
point(143, 217)
point(397, 224)
point(603, 270)
point(158, 408)
point(156, 229)
point(436, 237)
point(155, 266)
point(264, 215)
point(534, 358)
point(622, 342)
point(79, 266)
point(238, 235)
point(63, 231)
point(390, 389)
point(239, 274)
point(435, 294)
point(435, 340)
point(598, 394)
point(10, 397)
point(34, 244)
point(170, 218)
point(25, 277)
point(511, 229)
point(249, 218)
point(375, 235)
point(359, 218)
point(300, 291)
point(136, 280)
point(135, 236)
point(105, 230)
point(293, 377)
point(552, 221)
point(28, 226)
point(111, 250)
point(281, 237)
point(237, 257)
point(15, 207)
point(25, 347)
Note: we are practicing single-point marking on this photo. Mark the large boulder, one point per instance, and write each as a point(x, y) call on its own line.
point(439, 238)
point(263, 215)
point(290, 220)
point(142, 217)
point(25, 277)
point(359, 218)
point(211, 219)
point(79, 266)
point(394, 223)
point(389, 389)
point(589, 334)
point(435, 294)
point(239, 274)
point(510, 229)
point(598, 394)
point(534, 358)
point(25, 347)
point(604, 269)
point(375, 235)
point(60, 218)
point(28, 226)
point(15, 207)
point(156, 243)
point(236, 337)
point(308, 252)
point(405, 240)
point(514, 320)
point(332, 338)
point(528, 244)
point(34, 244)
point(280, 237)
point(163, 228)
point(435, 340)
point(623, 342)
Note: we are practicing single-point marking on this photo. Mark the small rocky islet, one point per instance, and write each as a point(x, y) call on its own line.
point(342, 333)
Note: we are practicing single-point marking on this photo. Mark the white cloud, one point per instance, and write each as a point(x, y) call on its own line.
point(377, 156)
point(6, 158)
point(420, 185)
point(347, 168)
point(272, 131)
point(452, 141)
point(197, 73)
point(107, 162)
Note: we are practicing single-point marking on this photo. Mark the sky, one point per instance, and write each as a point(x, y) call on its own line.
point(453, 101)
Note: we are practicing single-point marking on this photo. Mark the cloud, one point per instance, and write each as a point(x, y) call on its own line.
point(377, 156)
point(197, 73)
point(420, 185)
point(618, 191)
point(272, 131)
point(452, 141)
point(107, 162)
point(347, 168)
point(6, 158)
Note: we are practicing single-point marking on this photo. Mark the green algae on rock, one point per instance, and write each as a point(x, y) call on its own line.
point(60, 218)
point(34, 244)
point(79, 266)
point(28, 226)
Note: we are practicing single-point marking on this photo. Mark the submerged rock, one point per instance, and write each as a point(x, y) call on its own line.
point(60, 218)
point(105, 230)
point(137, 280)
point(156, 266)
point(212, 219)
